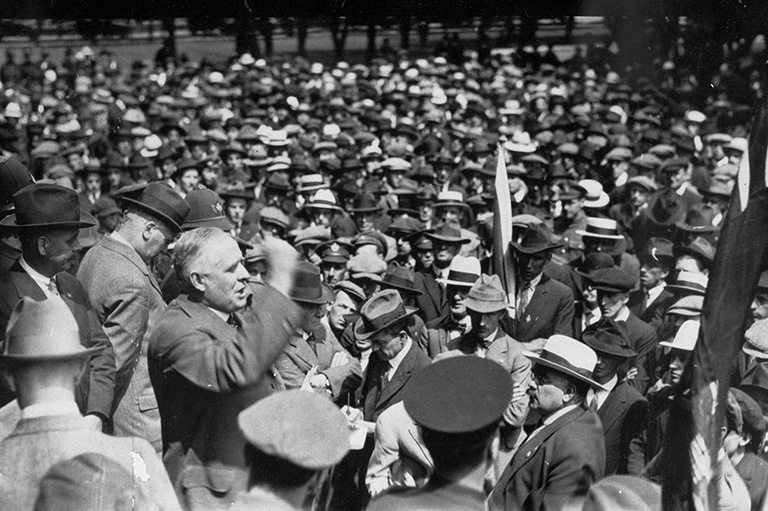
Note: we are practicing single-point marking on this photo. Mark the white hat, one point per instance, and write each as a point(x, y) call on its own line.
point(596, 196)
point(520, 143)
point(568, 356)
point(152, 145)
point(685, 338)
point(216, 77)
point(278, 138)
point(605, 228)
point(464, 272)
point(756, 338)
point(695, 116)
point(12, 109)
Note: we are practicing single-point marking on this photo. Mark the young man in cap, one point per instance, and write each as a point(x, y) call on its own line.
point(544, 307)
point(650, 302)
point(742, 449)
point(313, 359)
point(613, 286)
point(128, 300)
point(48, 219)
point(293, 439)
point(447, 241)
point(211, 355)
point(42, 360)
point(457, 403)
point(622, 410)
point(565, 454)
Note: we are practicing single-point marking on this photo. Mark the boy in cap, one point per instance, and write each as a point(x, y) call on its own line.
point(457, 402)
point(565, 454)
point(43, 359)
point(293, 439)
point(48, 220)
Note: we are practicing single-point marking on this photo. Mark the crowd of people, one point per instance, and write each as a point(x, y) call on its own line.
point(268, 285)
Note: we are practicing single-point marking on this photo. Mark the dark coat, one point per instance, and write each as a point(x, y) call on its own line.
point(652, 314)
point(205, 372)
point(433, 302)
point(554, 465)
point(96, 389)
point(643, 338)
point(377, 399)
point(549, 312)
point(623, 415)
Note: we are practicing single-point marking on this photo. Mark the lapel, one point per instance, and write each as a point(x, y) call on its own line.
point(302, 350)
point(527, 451)
point(538, 301)
point(400, 377)
point(499, 347)
point(131, 255)
point(613, 406)
point(25, 284)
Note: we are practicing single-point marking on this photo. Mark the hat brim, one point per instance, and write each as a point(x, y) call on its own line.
point(438, 237)
point(536, 359)
point(695, 228)
point(755, 353)
point(601, 202)
point(588, 234)
point(86, 220)
point(22, 359)
point(217, 223)
point(484, 307)
point(362, 334)
point(534, 249)
point(327, 207)
point(460, 283)
point(390, 285)
point(685, 289)
point(155, 212)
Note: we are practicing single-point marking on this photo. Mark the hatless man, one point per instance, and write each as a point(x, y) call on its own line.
point(622, 410)
point(48, 220)
point(128, 300)
point(457, 403)
point(43, 359)
point(211, 355)
point(566, 454)
point(293, 439)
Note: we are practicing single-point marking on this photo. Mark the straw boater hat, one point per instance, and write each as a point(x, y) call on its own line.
point(604, 228)
point(463, 272)
point(689, 283)
point(382, 310)
point(486, 295)
point(568, 356)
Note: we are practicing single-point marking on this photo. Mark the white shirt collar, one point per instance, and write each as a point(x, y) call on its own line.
point(53, 408)
point(654, 292)
point(602, 394)
point(680, 191)
point(491, 337)
point(222, 315)
point(535, 282)
point(40, 279)
point(623, 314)
point(118, 238)
point(395, 362)
point(552, 418)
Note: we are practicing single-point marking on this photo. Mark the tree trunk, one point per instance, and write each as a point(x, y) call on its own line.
point(339, 30)
point(405, 32)
point(301, 35)
point(370, 50)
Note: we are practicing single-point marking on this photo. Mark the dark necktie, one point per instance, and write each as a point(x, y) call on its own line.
point(233, 322)
point(456, 326)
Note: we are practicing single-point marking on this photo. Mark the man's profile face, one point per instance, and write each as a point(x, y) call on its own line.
point(62, 247)
point(224, 276)
point(386, 346)
point(759, 306)
point(547, 390)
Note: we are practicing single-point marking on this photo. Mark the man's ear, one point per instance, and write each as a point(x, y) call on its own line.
point(42, 245)
point(745, 439)
point(196, 279)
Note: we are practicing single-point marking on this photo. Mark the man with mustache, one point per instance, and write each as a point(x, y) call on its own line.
point(48, 219)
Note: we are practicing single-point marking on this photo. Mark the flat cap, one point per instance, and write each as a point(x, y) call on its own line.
point(613, 280)
point(297, 426)
point(458, 395)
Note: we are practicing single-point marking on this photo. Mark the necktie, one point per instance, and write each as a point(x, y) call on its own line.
point(232, 321)
point(456, 326)
point(525, 297)
point(52, 288)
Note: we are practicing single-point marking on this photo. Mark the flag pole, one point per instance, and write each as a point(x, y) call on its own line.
point(502, 260)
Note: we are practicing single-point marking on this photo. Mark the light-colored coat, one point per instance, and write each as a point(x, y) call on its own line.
point(37, 444)
point(127, 299)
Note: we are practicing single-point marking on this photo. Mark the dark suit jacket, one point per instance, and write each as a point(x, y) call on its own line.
point(643, 338)
point(654, 313)
point(554, 465)
point(205, 372)
point(549, 312)
point(376, 399)
point(432, 302)
point(623, 415)
point(96, 389)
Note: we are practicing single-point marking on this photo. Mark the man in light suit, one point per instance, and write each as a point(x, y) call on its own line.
point(622, 410)
point(128, 301)
point(211, 356)
point(544, 306)
point(43, 357)
point(48, 220)
point(565, 454)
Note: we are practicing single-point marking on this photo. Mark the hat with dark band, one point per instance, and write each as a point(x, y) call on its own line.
point(567, 356)
point(308, 286)
point(335, 251)
point(400, 278)
point(688, 282)
point(43, 205)
point(463, 271)
point(449, 231)
point(605, 228)
point(610, 337)
point(382, 310)
point(486, 295)
point(160, 201)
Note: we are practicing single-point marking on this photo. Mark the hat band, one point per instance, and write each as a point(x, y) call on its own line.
point(591, 229)
point(488, 297)
point(460, 276)
point(374, 324)
point(557, 359)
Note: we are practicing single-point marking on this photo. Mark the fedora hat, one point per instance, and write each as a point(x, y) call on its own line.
point(604, 228)
point(658, 249)
point(308, 286)
point(323, 199)
point(699, 248)
point(568, 356)
point(382, 310)
point(689, 305)
point(364, 202)
point(486, 295)
point(688, 282)
point(696, 220)
point(449, 231)
point(756, 386)
point(463, 271)
point(665, 207)
point(594, 261)
point(47, 205)
point(161, 201)
point(534, 240)
point(400, 278)
point(685, 338)
point(238, 191)
point(608, 336)
point(42, 331)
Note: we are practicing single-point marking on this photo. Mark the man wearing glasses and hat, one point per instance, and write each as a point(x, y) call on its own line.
point(313, 359)
point(211, 355)
point(128, 300)
point(48, 219)
point(564, 455)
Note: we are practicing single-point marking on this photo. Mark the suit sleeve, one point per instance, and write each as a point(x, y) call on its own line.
point(101, 391)
point(345, 378)
point(292, 370)
point(632, 428)
point(517, 411)
point(385, 453)
point(225, 366)
point(564, 315)
point(126, 315)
